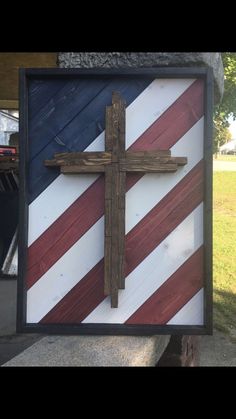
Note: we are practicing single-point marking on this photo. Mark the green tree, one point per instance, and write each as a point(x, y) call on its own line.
point(227, 107)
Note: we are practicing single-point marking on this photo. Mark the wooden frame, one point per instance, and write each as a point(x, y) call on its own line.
point(116, 329)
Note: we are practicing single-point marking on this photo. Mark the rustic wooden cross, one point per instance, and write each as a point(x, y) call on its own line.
point(115, 162)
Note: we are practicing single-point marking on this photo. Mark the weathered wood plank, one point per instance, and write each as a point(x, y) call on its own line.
point(115, 161)
point(148, 167)
point(141, 154)
point(121, 233)
point(154, 158)
point(82, 169)
point(115, 236)
point(108, 129)
point(108, 218)
point(107, 265)
point(102, 159)
point(83, 159)
point(180, 161)
point(108, 182)
point(118, 201)
point(121, 199)
point(115, 200)
point(121, 127)
point(80, 132)
point(108, 231)
point(115, 128)
point(83, 155)
point(68, 105)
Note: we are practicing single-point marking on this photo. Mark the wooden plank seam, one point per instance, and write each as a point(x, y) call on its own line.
point(114, 162)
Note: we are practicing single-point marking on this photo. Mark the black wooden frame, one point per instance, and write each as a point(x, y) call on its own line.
point(116, 329)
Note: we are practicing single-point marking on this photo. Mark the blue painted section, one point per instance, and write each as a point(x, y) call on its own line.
point(40, 93)
point(60, 111)
point(78, 127)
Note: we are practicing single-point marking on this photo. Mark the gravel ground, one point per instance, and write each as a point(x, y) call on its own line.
point(217, 351)
point(214, 351)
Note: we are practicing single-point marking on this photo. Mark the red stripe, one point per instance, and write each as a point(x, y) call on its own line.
point(164, 217)
point(173, 294)
point(65, 231)
point(175, 121)
point(80, 300)
point(82, 214)
point(189, 191)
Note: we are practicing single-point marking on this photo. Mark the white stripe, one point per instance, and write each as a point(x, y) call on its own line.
point(64, 190)
point(54, 201)
point(155, 269)
point(65, 274)
point(46, 286)
point(151, 188)
point(191, 314)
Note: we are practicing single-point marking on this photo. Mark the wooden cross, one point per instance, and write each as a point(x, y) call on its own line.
point(115, 162)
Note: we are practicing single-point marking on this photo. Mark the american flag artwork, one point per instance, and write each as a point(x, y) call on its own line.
point(167, 243)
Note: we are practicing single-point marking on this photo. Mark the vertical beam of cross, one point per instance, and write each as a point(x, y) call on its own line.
point(114, 258)
point(115, 162)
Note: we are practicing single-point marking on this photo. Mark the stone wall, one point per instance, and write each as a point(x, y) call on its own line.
point(182, 351)
point(147, 59)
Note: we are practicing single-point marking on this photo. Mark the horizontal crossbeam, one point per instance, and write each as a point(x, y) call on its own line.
point(85, 162)
point(152, 162)
point(114, 162)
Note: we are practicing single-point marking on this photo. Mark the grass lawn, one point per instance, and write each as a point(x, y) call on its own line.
point(226, 157)
point(224, 252)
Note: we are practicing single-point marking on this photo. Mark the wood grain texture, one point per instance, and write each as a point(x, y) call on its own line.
point(142, 239)
point(80, 168)
point(65, 231)
point(115, 236)
point(54, 203)
point(40, 177)
point(175, 121)
point(108, 129)
point(154, 270)
point(115, 200)
point(81, 300)
point(87, 123)
point(137, 211)
point(148, 167)
point(41, 92)
point(108, 229)
point(121, 233)
point(115, 115)
point(92, 162)
point(192, 313)
point(121, 197)
point(89, 214)
point(130, 155)
point(83, 158)
point(173, 294)
point(108, 205)
point(152, 157)
point(164, 217)
point(87, 103)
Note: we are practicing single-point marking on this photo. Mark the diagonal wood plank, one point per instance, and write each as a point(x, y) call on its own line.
point(115, 162)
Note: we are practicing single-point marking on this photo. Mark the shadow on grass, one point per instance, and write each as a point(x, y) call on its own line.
point(225, 312)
